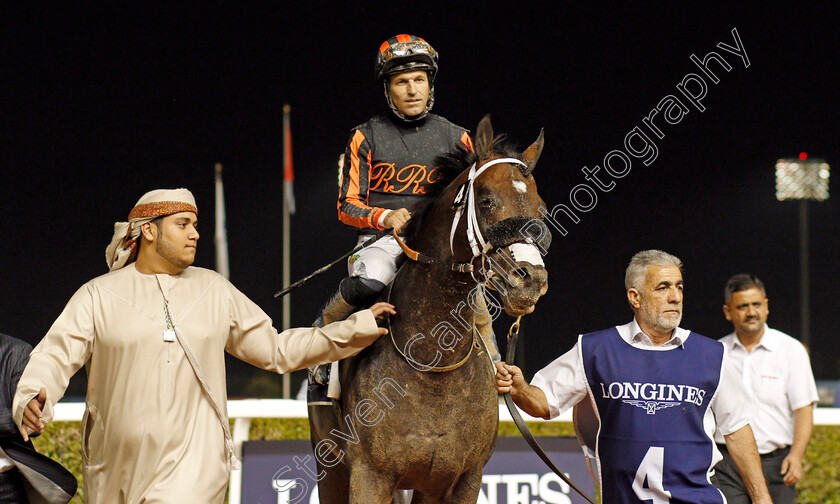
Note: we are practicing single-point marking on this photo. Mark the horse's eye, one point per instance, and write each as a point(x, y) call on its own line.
point(486, 202)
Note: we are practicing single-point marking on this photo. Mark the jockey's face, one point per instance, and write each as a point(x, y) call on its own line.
point(410, 92)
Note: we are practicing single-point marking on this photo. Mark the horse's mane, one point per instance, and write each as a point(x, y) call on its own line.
point(450, 165)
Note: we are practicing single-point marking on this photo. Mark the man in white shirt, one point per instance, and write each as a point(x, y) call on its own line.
point(657, 392)
point(776, 371)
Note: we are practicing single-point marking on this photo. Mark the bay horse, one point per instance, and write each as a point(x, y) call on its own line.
point(418, 408)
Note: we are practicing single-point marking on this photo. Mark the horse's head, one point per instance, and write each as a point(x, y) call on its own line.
point(497, 227)
point(507, 213)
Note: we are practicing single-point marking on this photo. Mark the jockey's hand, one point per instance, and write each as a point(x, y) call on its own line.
point(379, 310)
point(509, 378)
point(397, 219)
point(32, 414)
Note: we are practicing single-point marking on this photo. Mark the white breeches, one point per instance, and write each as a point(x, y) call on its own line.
point(377, 261)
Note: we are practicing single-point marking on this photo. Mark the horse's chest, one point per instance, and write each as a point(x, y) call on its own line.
point(435, 422)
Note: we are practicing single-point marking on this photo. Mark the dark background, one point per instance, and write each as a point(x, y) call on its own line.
point(101, 104)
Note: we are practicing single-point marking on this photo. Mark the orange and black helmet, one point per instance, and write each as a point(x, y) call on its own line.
point(406, 53)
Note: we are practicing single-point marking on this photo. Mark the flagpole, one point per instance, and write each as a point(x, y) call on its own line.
point(220, 240)
point(288, 209)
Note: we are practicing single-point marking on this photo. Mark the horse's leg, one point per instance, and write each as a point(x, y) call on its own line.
point(419, 498)
point(369, 487)
point(333, 488)
point(468, 487)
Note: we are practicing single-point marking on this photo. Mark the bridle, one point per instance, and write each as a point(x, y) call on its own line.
point(480, 246)
point(465, 198)
point(464, 203)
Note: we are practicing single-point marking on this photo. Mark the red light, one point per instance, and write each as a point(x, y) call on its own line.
point(803, 156)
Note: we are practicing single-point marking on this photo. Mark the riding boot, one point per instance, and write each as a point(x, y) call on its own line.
point(335, 309)
point(484, 324)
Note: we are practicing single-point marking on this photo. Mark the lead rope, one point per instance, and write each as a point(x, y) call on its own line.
point(513, 335)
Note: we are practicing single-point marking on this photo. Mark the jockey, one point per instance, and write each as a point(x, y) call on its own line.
point(388, 171)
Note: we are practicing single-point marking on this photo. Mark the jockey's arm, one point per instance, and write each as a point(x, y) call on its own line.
point(353, 205)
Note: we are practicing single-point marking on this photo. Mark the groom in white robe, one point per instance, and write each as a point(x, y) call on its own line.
point(154, 331)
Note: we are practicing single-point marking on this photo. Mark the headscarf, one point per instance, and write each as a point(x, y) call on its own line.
point(153, 204)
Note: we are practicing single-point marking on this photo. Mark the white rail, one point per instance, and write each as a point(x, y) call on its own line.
point(290, 408)
point(243, 410)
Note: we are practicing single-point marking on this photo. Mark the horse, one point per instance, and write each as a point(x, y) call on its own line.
point(418, 408)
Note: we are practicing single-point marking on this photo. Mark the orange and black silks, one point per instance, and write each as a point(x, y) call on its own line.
point(390, 165)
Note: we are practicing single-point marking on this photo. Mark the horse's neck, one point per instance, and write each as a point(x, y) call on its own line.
point(433, 237)
point(435, 304)
point(433, 299)
point(435, 244)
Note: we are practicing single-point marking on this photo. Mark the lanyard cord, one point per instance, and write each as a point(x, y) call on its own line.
point(199, 374)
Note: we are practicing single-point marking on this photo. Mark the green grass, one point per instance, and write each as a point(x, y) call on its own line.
point(62, 441)
point(821, 482)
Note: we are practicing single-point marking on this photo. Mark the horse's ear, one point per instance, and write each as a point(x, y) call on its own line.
point(532, 154)
point(484, 138)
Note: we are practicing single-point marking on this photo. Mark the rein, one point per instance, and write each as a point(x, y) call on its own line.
point(464, 200)
point(427, 367)
point(423, 258)
point(513, 335)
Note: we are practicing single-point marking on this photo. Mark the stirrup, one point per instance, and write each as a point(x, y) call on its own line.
point(320, 374)
point(316, 394)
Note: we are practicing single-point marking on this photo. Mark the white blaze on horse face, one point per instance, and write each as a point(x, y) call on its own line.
point(520, 186)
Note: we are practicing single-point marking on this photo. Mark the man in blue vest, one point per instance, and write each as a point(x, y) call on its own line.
point(657, 392)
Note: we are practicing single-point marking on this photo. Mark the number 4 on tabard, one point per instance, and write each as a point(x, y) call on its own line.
point(651, 470)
